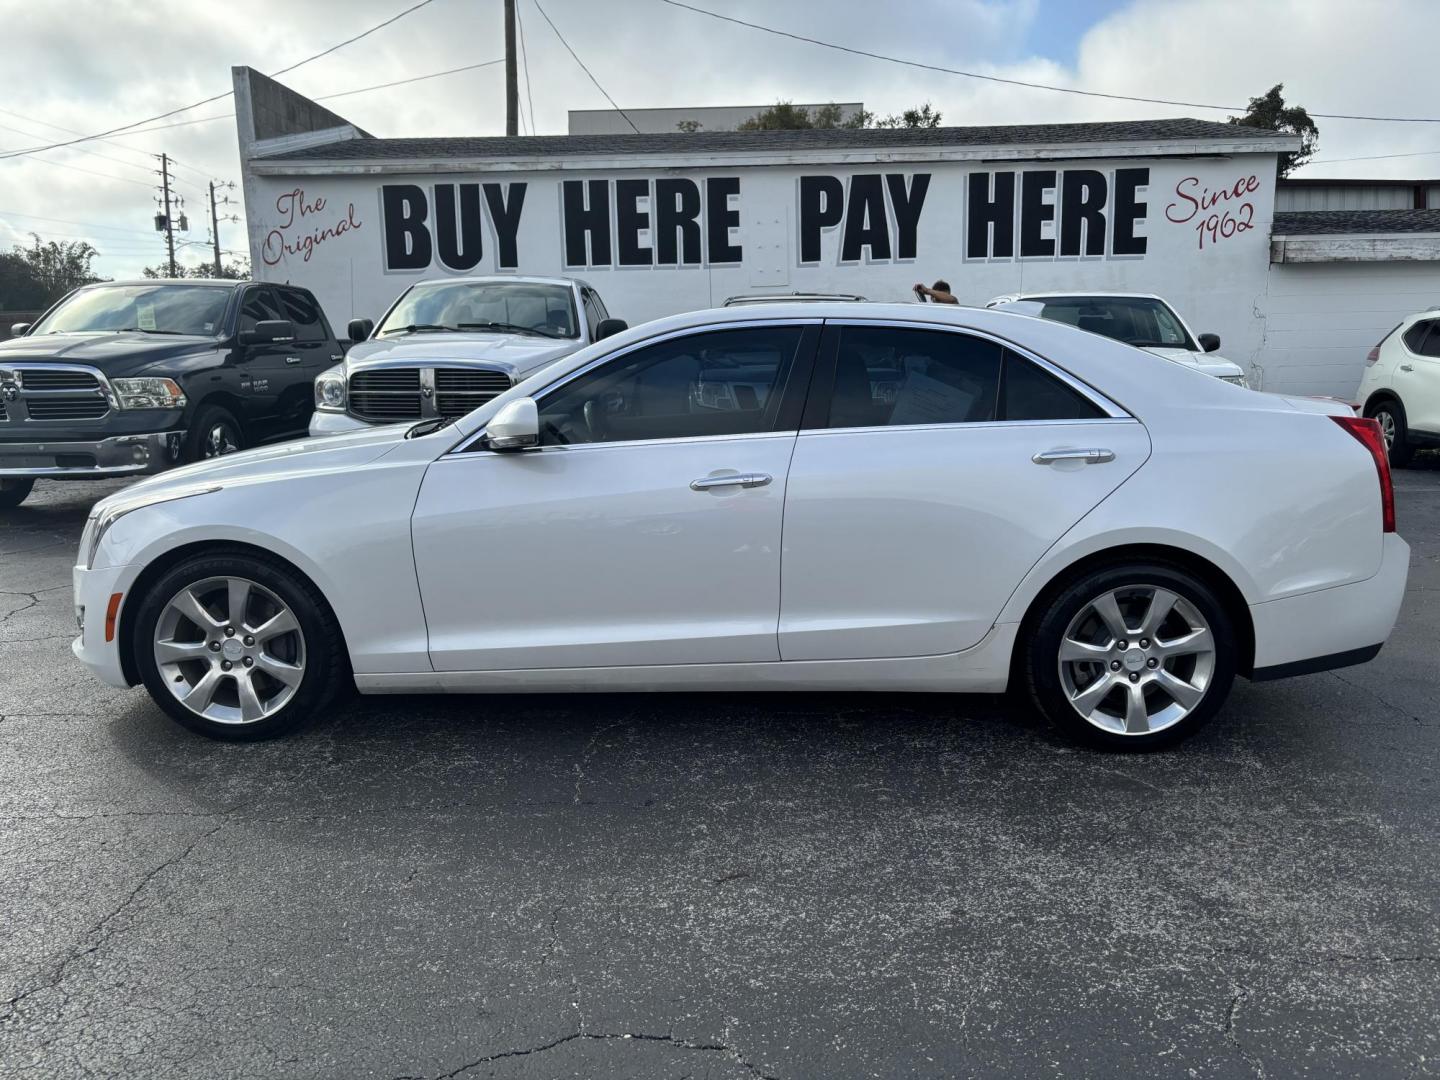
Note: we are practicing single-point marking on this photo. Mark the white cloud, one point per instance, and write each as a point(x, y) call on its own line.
point(96, 64)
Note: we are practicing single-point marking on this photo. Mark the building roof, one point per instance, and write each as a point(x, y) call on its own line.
point(1182, 129)
point(1349, 181)
point(1355, 222)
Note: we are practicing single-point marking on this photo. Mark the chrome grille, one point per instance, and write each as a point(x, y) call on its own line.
point(66, 408)
point(40, 379)
point(388, 395)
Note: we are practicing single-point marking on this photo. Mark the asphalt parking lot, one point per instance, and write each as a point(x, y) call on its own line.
point(728, 886)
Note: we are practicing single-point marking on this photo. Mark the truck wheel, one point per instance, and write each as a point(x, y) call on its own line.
point(1131, 656)
point(1390, 415)
point(13, 491)
point(238, 646)
point(214, 433)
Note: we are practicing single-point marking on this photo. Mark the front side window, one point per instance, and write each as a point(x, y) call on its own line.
point(514, 307)
point(301, 310)
point(718, 382)
point(888, 376)
point(155, 309)
point(1142, 321)
point(259, 306)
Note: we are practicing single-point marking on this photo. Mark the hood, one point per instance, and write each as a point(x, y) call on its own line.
point(332, 453)
point(515, 354)
point(1210, 363)
point(112, 353)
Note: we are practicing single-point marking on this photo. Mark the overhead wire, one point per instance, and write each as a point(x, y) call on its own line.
point(585, 69)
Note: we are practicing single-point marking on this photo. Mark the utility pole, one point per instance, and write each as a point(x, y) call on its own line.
point(215, 228)
point(169, 225)
point(512, 75)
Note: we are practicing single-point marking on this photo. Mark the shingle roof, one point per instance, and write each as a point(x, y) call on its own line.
point(1343, 222)
point(703, 142)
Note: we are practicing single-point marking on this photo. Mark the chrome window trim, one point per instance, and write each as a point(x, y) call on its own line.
point(465, 445)
point(1112, 410)
point(968, 425)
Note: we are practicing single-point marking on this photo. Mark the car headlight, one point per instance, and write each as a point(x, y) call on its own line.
point(148, 393)
point(108, 511)
point(330, 391)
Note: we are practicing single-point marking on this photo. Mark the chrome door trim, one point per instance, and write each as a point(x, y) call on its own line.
point(748, 324)
point(1112, 410)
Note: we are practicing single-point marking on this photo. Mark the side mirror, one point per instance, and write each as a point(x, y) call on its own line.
point(1209, 342)
point(515, 427)
point(609, 328)
point(360, 329)
point(268, 331)
point(17, 329)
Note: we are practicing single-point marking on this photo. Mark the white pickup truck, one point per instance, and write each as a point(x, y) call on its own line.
point(447, 347)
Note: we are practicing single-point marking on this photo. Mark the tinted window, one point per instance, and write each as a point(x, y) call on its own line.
point(1031, 393)
point(724, 382)
point(300, 309)
point(1422, 339)
point(592, 312)
point(259, 306)
point(888, 376)
point(1136, 320)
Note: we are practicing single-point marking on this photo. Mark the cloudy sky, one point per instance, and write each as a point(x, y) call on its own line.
point(89, 65)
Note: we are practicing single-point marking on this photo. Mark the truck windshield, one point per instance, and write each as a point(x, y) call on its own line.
point(509, 307)
point(156, 309)
point(1136, 320)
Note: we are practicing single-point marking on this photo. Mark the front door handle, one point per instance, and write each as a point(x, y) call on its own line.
point(1406, 367)
point(292, 359)
point(747, 480)
point(1091, 456)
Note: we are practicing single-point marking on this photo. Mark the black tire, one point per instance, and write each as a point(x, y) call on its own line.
point(326, 664)
point(1040, 656)
point(14, 490)
point(211, 422)
point(1401, 450)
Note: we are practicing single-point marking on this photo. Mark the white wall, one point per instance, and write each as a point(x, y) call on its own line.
point(335, 245)
point(1322, 318)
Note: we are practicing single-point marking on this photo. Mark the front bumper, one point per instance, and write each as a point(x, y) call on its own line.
point(93, 589)
point(335, 423)
point(1335, 627)
point(119, 455)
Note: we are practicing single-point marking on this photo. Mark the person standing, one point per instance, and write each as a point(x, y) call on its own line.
point(939, 293)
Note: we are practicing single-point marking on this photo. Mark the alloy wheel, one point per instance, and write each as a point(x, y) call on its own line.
point(230, 650)
point(1136, 660)
point(219, 440)
point(1386, 420)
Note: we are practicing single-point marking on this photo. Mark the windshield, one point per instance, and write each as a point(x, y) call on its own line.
point(156, 309)
point(510, 306)
point(1135, 320)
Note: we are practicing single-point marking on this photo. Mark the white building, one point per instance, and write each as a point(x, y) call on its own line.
point(661, 121)
point(671, 221)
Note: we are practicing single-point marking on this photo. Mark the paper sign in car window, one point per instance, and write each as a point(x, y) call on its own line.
point(145, 316)
point(923, 400)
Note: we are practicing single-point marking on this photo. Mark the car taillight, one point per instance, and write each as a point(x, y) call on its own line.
point(1371, 356)
point(1368, 433)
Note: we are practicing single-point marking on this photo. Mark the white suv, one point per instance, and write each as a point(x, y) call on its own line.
point(1140, 319)
point(1401, 386)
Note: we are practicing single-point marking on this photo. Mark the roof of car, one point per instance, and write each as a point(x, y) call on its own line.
point(1078, 293)
point(506, 279)
point(228, 282)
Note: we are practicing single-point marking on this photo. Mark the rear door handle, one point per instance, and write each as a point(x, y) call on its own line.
point(1406, 367)
point(748, 480)
point(1091, 456)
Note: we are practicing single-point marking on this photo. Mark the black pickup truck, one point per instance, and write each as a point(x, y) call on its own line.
point(126, 378)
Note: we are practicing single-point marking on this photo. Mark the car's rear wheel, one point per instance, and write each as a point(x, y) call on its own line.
point(1131, 657)
point(237, 646)
point(213, 433)
point(14, 490)
point(1390, 415)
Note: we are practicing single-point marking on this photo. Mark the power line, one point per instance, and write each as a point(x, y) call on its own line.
point(227, 93)
point(81, 149)
point(1372, 157)
point(1016, 82)
point(82, 224)
point(586, 69)
point(525, 63)
point(89, 172)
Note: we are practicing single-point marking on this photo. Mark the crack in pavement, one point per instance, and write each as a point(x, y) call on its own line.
point(1238, 996)
point(1388, 704)
point(589, 753)
point(58, 975)
point(683, 1044)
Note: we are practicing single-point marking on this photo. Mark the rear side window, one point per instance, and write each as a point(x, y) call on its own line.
point(1415, 337)
point(1031, 393)
point(889, 376)
point(301, 310)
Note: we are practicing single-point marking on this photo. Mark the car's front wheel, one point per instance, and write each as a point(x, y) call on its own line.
point(237, 646)
point(213, 433)
point(14, 490)
point(1131, 657)
point(1390, 415)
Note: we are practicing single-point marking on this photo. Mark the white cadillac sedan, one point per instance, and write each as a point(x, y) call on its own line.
point(868, 497)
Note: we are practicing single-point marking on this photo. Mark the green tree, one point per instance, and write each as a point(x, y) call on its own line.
point(689, 126)
point(232, 271)
point(1270, 113)
point(786, 116)
point(38, 275)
